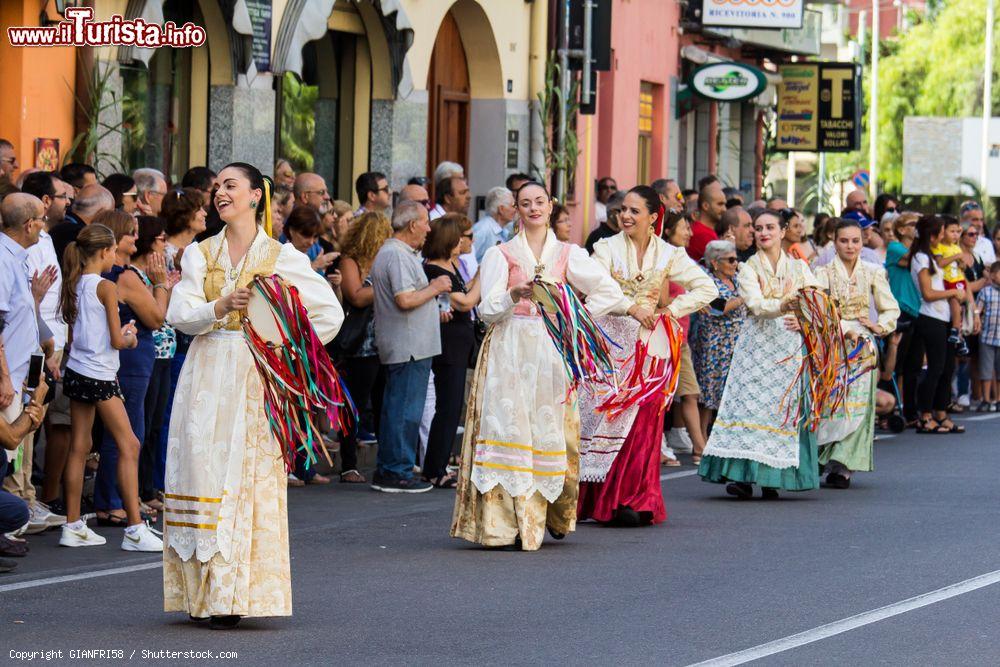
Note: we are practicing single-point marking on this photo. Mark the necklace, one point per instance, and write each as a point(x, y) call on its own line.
point(635, 268)
point(235, 272)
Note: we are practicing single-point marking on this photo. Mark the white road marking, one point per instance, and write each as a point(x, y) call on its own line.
point(675, 475)
point(979, 418)
point(32, 583)
point(853, 622)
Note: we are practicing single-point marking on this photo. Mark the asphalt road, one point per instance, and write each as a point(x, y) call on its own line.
point(825, 577)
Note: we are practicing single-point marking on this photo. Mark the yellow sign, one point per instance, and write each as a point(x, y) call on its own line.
point(798, 106)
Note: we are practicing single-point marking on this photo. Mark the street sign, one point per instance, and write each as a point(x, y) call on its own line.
point(861, 178)
point(728, 81)
point(819, 107)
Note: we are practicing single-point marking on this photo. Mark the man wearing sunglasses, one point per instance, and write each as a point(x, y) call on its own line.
point(972, 213)
point(373, 192)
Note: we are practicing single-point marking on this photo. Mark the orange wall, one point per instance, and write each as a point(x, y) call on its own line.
point(37, 84)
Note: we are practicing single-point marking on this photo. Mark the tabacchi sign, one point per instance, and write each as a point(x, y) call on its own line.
point(752, 13)
point(80, 29)
point(819, 107)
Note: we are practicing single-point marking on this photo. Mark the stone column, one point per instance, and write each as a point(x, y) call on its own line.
point(242, 124)
point(325, 142)
point(110, 146)
point(399, 138)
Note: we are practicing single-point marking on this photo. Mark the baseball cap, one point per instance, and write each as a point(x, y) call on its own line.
point(859, 217)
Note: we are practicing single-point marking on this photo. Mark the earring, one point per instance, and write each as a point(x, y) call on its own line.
point(253, 204)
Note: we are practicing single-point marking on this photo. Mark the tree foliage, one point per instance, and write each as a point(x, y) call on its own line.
point(933, 69)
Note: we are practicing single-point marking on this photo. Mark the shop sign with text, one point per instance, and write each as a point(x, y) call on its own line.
point(728, 81)
point(819, 107)
point(752, 13)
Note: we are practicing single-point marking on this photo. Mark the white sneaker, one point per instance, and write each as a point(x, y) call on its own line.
point(42, 518)
point(84, 537)
point(665, 449)
point(143, 539)
point(963, 400)
point(679, 440)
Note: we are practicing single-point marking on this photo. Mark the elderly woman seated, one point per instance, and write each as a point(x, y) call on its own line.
point(717, 330)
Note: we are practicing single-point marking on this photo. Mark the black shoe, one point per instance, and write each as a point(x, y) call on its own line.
point(838, 481)
point(6, 564)
point(57, 506)
point(13, 548)
point(741, 490)
point(509, 547)
point(412, 485)
point(197, 619)
point(627, 517)
point(769, 494)
point(224, 622)
point(556, 535)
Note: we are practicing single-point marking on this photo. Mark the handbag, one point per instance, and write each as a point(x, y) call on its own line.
point(351, 333)
point(479, 335)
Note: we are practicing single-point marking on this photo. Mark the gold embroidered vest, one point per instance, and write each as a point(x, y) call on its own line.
point(260, 261)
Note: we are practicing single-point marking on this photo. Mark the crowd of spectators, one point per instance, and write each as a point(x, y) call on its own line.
point(405, 267)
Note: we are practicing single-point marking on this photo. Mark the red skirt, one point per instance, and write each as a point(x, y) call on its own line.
point(634, 478)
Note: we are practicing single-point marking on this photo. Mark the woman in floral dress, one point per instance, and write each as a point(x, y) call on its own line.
point(715, 336)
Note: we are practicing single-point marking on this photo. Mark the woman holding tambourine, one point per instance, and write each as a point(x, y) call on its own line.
point(226, 529)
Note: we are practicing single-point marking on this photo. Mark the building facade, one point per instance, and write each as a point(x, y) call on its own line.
point(339, 87)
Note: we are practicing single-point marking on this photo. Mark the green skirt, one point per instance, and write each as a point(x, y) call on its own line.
point(805, 477)
point(854, 450)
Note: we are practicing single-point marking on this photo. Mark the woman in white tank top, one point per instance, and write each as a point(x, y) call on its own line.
point(90, 307)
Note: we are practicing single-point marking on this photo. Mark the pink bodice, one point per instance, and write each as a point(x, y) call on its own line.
point(515, 276)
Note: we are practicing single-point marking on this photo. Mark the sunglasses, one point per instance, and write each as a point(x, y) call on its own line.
point(467, 236)
point(970, 206)
point(891, 209)
point(607, 186)
point(728, 260)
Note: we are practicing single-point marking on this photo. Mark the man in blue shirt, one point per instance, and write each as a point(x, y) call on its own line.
point(23, 219)
point(497, 225)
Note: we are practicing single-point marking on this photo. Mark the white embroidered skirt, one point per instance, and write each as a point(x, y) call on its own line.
point(226, 522)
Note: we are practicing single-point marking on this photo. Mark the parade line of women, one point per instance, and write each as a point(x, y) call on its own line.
point(527, 465)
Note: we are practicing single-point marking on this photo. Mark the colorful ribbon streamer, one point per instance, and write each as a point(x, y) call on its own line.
point(297, 376)
point(648, 377)
point(582, 345)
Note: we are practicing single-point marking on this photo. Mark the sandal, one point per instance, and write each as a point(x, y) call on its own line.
point(696, 459)
point(111, 520)
point(444, 482)
point(352, 477)
point(951, 426)
point(931, 426)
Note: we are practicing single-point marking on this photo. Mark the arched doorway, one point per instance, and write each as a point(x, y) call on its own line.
point(449, 97)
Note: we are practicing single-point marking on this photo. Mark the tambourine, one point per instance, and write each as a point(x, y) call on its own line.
point(261, 315)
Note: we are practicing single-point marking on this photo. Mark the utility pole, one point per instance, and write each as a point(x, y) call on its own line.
point(987, 100)
point(873, 110)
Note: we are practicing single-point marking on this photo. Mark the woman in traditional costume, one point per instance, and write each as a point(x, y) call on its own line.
point(226, 524)
point(753, 440)
point(845, 437)
point(520, 453)
point(620, 449)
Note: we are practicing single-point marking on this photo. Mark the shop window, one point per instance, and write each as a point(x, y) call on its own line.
point(159, 128)
point(645, 152)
